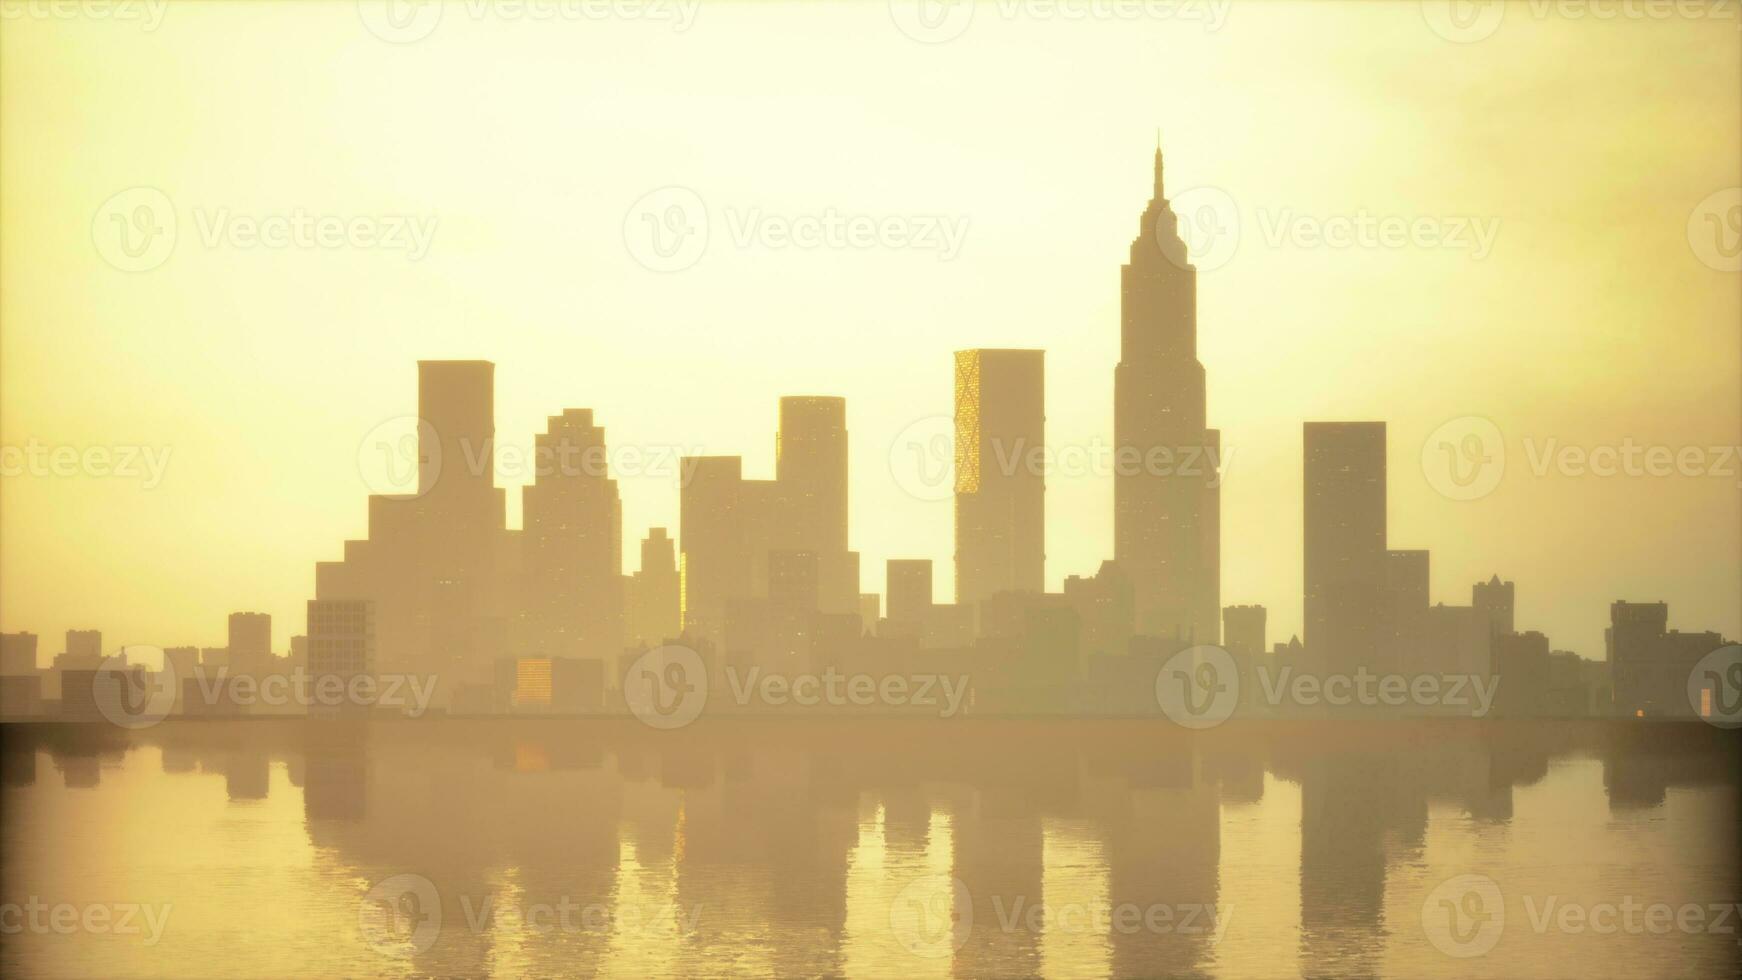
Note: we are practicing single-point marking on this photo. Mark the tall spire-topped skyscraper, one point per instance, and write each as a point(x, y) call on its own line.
point(1166, 514)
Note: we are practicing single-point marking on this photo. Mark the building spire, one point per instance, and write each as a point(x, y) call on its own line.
point(1158, 194)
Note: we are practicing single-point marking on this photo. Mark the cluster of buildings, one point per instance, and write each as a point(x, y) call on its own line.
point(762, 575)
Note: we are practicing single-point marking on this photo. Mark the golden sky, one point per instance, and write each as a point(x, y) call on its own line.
point(1598, 307)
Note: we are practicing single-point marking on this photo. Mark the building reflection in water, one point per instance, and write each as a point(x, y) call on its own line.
point(783, 847)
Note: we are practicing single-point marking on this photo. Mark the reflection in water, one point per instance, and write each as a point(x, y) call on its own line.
point(869, 848)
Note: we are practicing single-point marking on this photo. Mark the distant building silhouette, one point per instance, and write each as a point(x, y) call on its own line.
point(1345, 554)
point(655, 605)
point(1243, 630)
point(909, 587)
point(1654, 668)
point(1494, 599)
point(571, 545)
point(1166, 505)
point(1000, 480)
point(84, 649)
point(17, 654)
point(250, 643)
point(341, 638)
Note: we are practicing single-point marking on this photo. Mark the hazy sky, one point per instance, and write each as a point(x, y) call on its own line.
point(1533, 240)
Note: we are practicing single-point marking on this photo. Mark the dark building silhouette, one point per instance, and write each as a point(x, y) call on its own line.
point(572, 545)
point(1654, 669)
point(250, 643)
point(1494, 600)
point(341, 638)
point(655, 605)
point(1243, 630)
point(17, 654)
point(909, 587)
point(1166, 505)
point(1000, 479)
point(1345, 555)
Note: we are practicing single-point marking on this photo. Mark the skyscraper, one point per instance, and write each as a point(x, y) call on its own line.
point(1345, 555)
point(1495, 600)
point(250, 642)
point(655, 607)
point(810, 463)
point(1000, 479)
point(908, 584)
point(341, 648)
point(714, 564)
point(572, 545)
point(1166, 513)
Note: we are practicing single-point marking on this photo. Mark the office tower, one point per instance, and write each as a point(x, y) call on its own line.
point(1000, 476)
point(1405, 602)
point(341, 649)
point(907, 582)
point(870, 611)
point(1494, 599)
point(655, 604)
point(1345, 555)
point(84, 649)
point(250, 642)
point(571, 545)
point(433, 561)
point(810, 453)
point(1522, 662)
point(1165, 498)
point(1653, 669)
point(794, 580)
point(1106, 607)
point(1243, 630)
point(17, 654)
point(714, 563)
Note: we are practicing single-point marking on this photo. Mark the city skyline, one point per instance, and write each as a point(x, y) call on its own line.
point(223, 464)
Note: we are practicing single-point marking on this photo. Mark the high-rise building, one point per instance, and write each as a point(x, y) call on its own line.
point(810, 464)
point(571, 545)
point(1654, 670)
point(341, 648)
point(908, 585)
point(1000, 476)
point(84, 649)
point(714, 563)
point(434, 560)
point(250, 642)
point(1406, 601)
point(1166, 505)
point(1494, 599)
point(655, 606)
point(1243, 630)
point(17, 654)
point(1345, 554)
